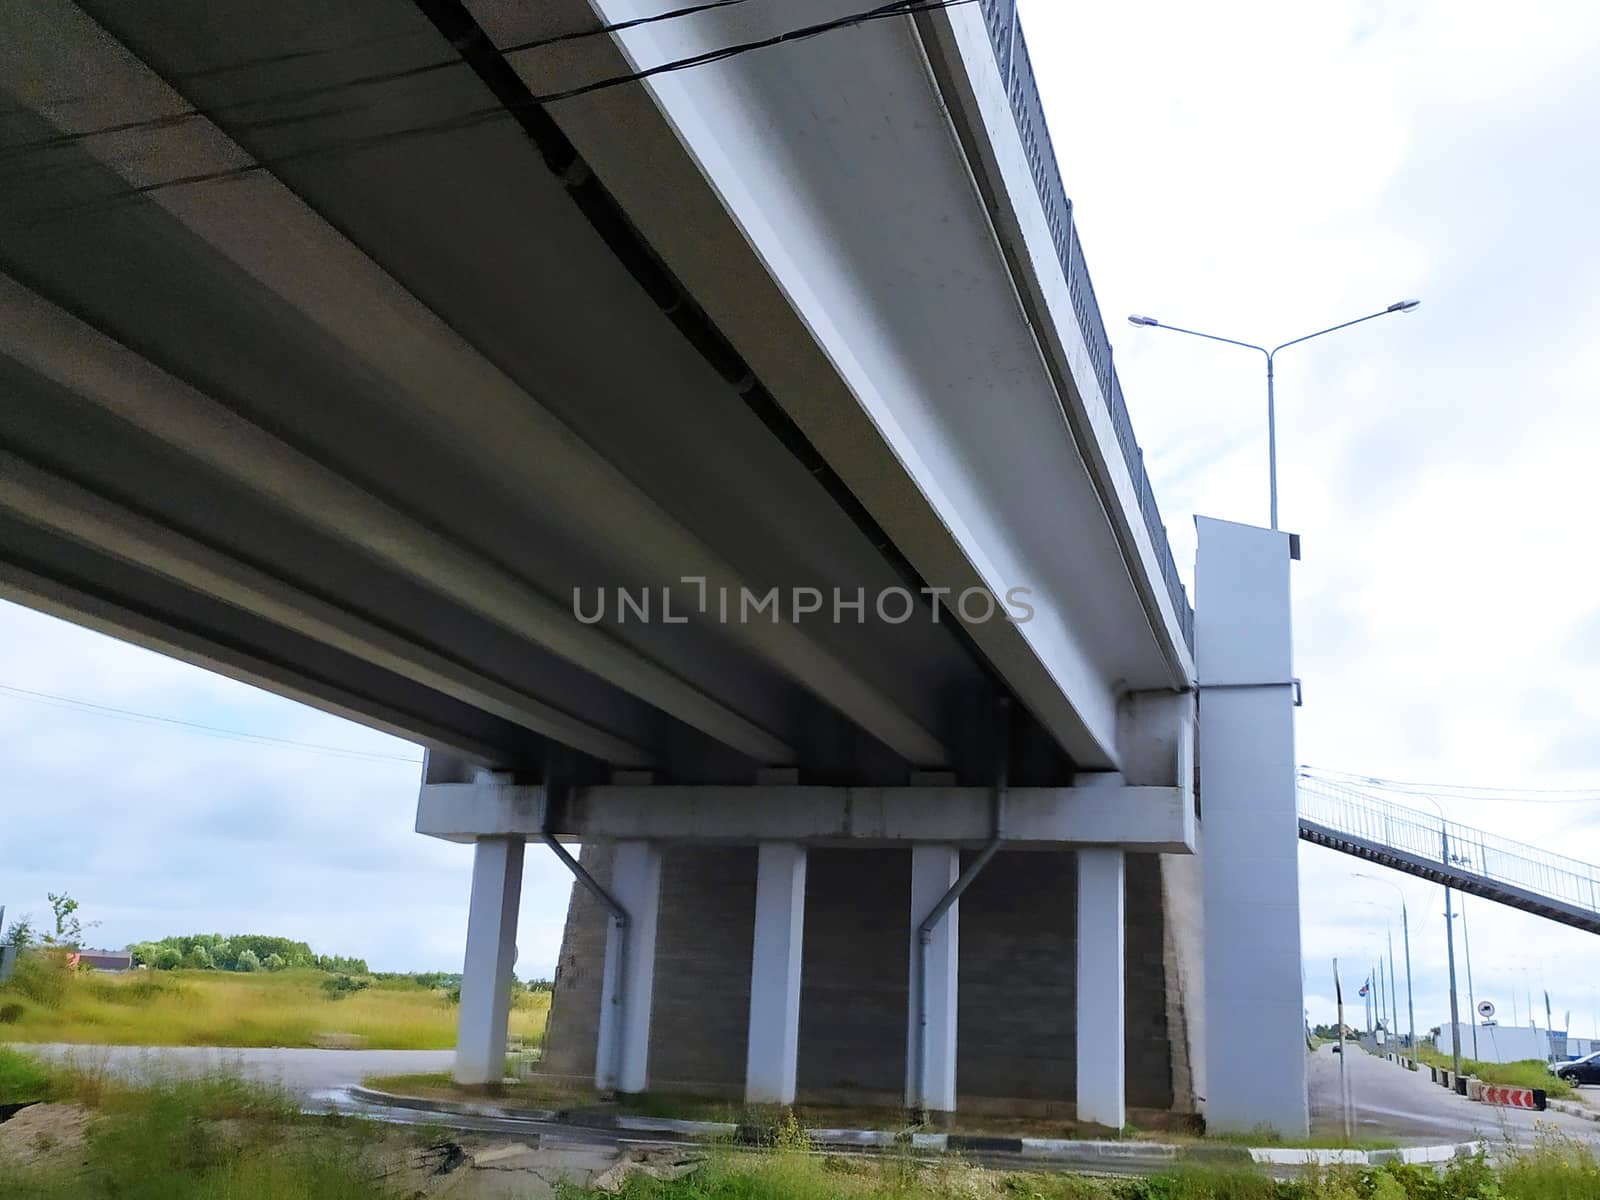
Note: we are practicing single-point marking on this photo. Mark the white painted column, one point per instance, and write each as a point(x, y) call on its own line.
point(491, 955)
point(933, 870)
point(770, 1056)
point(630, 964)
point(1255, 1031)
point(1102, 1006)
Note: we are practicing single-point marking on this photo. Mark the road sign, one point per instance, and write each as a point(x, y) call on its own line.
point(1485, 1009)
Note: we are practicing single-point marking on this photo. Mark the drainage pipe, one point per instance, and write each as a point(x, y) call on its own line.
point(620, 916)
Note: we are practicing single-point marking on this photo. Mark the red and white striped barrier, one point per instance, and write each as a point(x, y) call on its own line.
point(1513, 1097)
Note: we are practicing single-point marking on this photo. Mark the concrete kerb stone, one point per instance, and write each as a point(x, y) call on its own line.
point(1066, 1151)
point(460, 1108)
point(1573, 1110)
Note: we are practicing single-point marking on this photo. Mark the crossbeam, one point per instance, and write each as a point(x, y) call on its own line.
point(1149, 819)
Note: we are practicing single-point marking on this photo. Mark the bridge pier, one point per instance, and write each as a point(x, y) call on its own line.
point(936, 968)
point(491, 955)
point(772, 1047)
point(1102, 1003)
point(630, 967)
point(772, 951)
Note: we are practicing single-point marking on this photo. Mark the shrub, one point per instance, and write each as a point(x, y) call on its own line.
point(43, 976)
point(198, 959)
point(142, 989)
point(168, 958)
point(11, 1012)
point(22, 1078)
point(343, 985)
point(247, 961)
point(274, 962)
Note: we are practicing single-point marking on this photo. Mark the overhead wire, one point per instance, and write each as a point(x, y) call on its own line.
point(472, 117)
point(94, 708)
point(1467, 792)
point(211, 112)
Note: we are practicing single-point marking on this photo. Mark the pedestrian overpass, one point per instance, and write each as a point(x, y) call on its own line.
point(1343, 817)
point(498, 374)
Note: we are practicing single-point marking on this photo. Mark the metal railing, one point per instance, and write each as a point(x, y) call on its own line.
point(1468, 858)
point(1016, 70)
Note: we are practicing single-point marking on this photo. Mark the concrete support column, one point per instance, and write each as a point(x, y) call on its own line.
point(770, 1056)
point(491, 954)
point(1102, 974)
point(934, 869)
point(1255, 1031)
point(622, 1052)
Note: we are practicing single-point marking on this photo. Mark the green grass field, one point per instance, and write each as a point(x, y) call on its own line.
point(224, 1008)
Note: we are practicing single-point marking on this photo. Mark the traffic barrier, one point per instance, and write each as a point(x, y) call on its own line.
point(1514, 1097)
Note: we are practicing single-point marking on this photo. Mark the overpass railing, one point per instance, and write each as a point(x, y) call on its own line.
point(1459, 855)
point(1016, 70)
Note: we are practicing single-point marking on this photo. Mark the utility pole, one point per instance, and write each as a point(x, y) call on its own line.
point(1411, 1007)
point(1389, 1004)
point(1394, 1001)
point(1455, 1011)
point(1472, 999)
point(1344, 1078)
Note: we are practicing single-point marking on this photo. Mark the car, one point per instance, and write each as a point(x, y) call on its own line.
point(1579, 1071)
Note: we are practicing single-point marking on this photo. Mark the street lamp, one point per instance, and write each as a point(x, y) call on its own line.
point(1405, 926)
point(1398, 306)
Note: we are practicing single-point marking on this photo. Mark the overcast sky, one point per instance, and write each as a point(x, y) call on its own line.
point(1254, 170)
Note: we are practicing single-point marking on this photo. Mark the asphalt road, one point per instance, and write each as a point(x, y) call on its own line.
point(302, 1072)
point(1392, 1102)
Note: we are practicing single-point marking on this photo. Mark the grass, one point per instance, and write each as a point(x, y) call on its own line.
point(1558, 1171)
point(188, 1139)
point(1528, 1073)
point(217, 1138)
point(233, 1009)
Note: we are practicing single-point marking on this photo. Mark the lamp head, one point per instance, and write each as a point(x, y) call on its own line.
point(1136, 319)
point(1403, 306)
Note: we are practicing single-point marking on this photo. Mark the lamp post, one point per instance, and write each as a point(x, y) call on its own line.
point(1271, 356)
point(1405, 932)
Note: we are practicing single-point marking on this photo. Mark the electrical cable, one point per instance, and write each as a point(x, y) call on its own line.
point(128, 714)
point(1468, 792)
point(475, 116)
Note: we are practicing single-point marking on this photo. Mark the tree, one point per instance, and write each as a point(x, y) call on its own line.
point(247, 961)
point(198, 959)
point(167, 959)
point(274, 962)
point(21, 934)
point(69, 929)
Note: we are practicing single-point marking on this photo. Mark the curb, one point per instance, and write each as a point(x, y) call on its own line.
point(1573, 1110)
point(1066, 1151)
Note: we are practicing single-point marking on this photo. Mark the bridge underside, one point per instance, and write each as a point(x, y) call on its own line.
point(336, 361)
point(332, 364)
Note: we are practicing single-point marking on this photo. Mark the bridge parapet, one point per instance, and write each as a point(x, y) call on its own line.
point(1016, 72)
